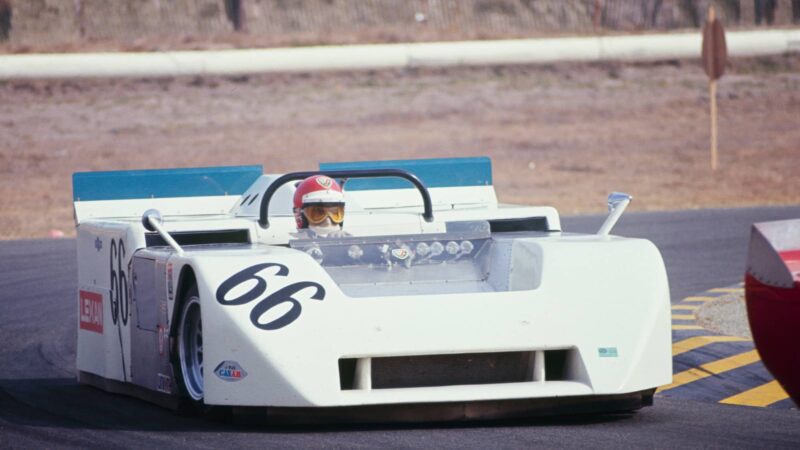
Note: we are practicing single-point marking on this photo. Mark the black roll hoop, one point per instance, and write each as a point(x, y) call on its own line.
point(346, 174)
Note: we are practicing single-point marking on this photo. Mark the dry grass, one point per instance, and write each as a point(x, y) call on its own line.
point(564, 135)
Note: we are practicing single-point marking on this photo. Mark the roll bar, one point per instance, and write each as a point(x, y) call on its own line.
point(345, 174)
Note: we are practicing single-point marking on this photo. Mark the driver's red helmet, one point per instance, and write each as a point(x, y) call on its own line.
point(316, 190)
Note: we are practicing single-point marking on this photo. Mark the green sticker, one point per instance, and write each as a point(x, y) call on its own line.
point(607, 352)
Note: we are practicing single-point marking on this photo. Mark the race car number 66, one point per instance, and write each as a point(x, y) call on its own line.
point(281, 296)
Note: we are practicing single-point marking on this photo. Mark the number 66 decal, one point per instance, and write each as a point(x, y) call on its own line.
point(281, 296)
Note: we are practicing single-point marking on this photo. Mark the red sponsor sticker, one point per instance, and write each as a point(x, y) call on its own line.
point(169, 281)
point(91, 311)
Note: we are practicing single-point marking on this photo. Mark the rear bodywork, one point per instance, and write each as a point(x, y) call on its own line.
point(512, 317)
point(772, 292)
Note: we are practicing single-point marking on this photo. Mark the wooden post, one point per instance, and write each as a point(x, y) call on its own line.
point(712, 92)
point(715, 56)
point(80, 18)
point(597, 15)
point(234, 9)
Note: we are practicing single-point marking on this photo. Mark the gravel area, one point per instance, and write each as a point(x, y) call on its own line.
point(726, 315)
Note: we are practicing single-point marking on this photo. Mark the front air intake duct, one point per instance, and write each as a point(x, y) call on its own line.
point(460, 369)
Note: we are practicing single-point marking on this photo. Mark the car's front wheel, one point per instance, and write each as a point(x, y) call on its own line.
point(190, 347)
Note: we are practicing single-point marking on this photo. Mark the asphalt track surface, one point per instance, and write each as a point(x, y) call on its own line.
point(42, 406)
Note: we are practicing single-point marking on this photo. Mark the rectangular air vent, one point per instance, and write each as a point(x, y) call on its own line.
point(200, 237)
point(519, 224)
point(458, 369)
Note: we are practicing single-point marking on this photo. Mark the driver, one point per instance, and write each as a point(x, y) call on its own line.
point(319, 207)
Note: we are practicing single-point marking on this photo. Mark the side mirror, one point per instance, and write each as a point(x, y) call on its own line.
point(153, 214)
point(152, 221)
point(617, 202)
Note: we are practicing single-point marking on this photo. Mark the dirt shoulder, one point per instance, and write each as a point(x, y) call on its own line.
point(563, 135)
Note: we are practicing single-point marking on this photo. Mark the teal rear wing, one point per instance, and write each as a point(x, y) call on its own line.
point(184, 191)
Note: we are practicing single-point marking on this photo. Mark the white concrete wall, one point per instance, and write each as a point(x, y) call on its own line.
point(527, 51)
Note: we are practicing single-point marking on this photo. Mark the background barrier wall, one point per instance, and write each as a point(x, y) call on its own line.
point(384, 56)
point(160, 24)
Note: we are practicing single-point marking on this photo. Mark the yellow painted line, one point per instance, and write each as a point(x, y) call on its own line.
point(699, 299)
point(726, 290)
point(685, 307)
point(712, 368)
point(683, 317)
point(686, 327)
point(701, 341)
point(763, 395)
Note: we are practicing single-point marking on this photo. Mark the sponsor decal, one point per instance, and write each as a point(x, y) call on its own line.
point(325, 182)
point(163, 339)
point(230, 371)
point(164, 384)
point(401, 253)
point(607, 352)
point(279, 297)
point(98, 244)
point(91, 311)
point(162, 309)
point(169, 281)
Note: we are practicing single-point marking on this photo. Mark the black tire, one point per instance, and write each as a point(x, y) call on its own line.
point(187, 360)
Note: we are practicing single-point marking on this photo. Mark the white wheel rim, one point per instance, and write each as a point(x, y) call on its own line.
point(190, 348)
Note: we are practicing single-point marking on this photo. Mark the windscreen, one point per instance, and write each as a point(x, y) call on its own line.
point(405, 264)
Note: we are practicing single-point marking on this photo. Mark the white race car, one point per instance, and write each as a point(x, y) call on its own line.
point(439, 304)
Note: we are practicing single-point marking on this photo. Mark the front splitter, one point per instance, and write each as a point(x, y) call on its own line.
point(447, 411)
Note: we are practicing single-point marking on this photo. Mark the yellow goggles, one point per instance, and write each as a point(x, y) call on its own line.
point(317, 213)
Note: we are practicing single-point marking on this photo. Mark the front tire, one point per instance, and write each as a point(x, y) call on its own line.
point(190, 348)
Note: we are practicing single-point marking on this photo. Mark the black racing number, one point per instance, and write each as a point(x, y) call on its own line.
point(122, 292)
point(251, 273)
point(119, 283)
point(279, 297)
point(114, 283)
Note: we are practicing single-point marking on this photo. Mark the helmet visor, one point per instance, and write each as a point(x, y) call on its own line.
point(317, 213)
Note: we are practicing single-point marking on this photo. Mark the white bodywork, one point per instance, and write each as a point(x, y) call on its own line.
point(602, 301)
